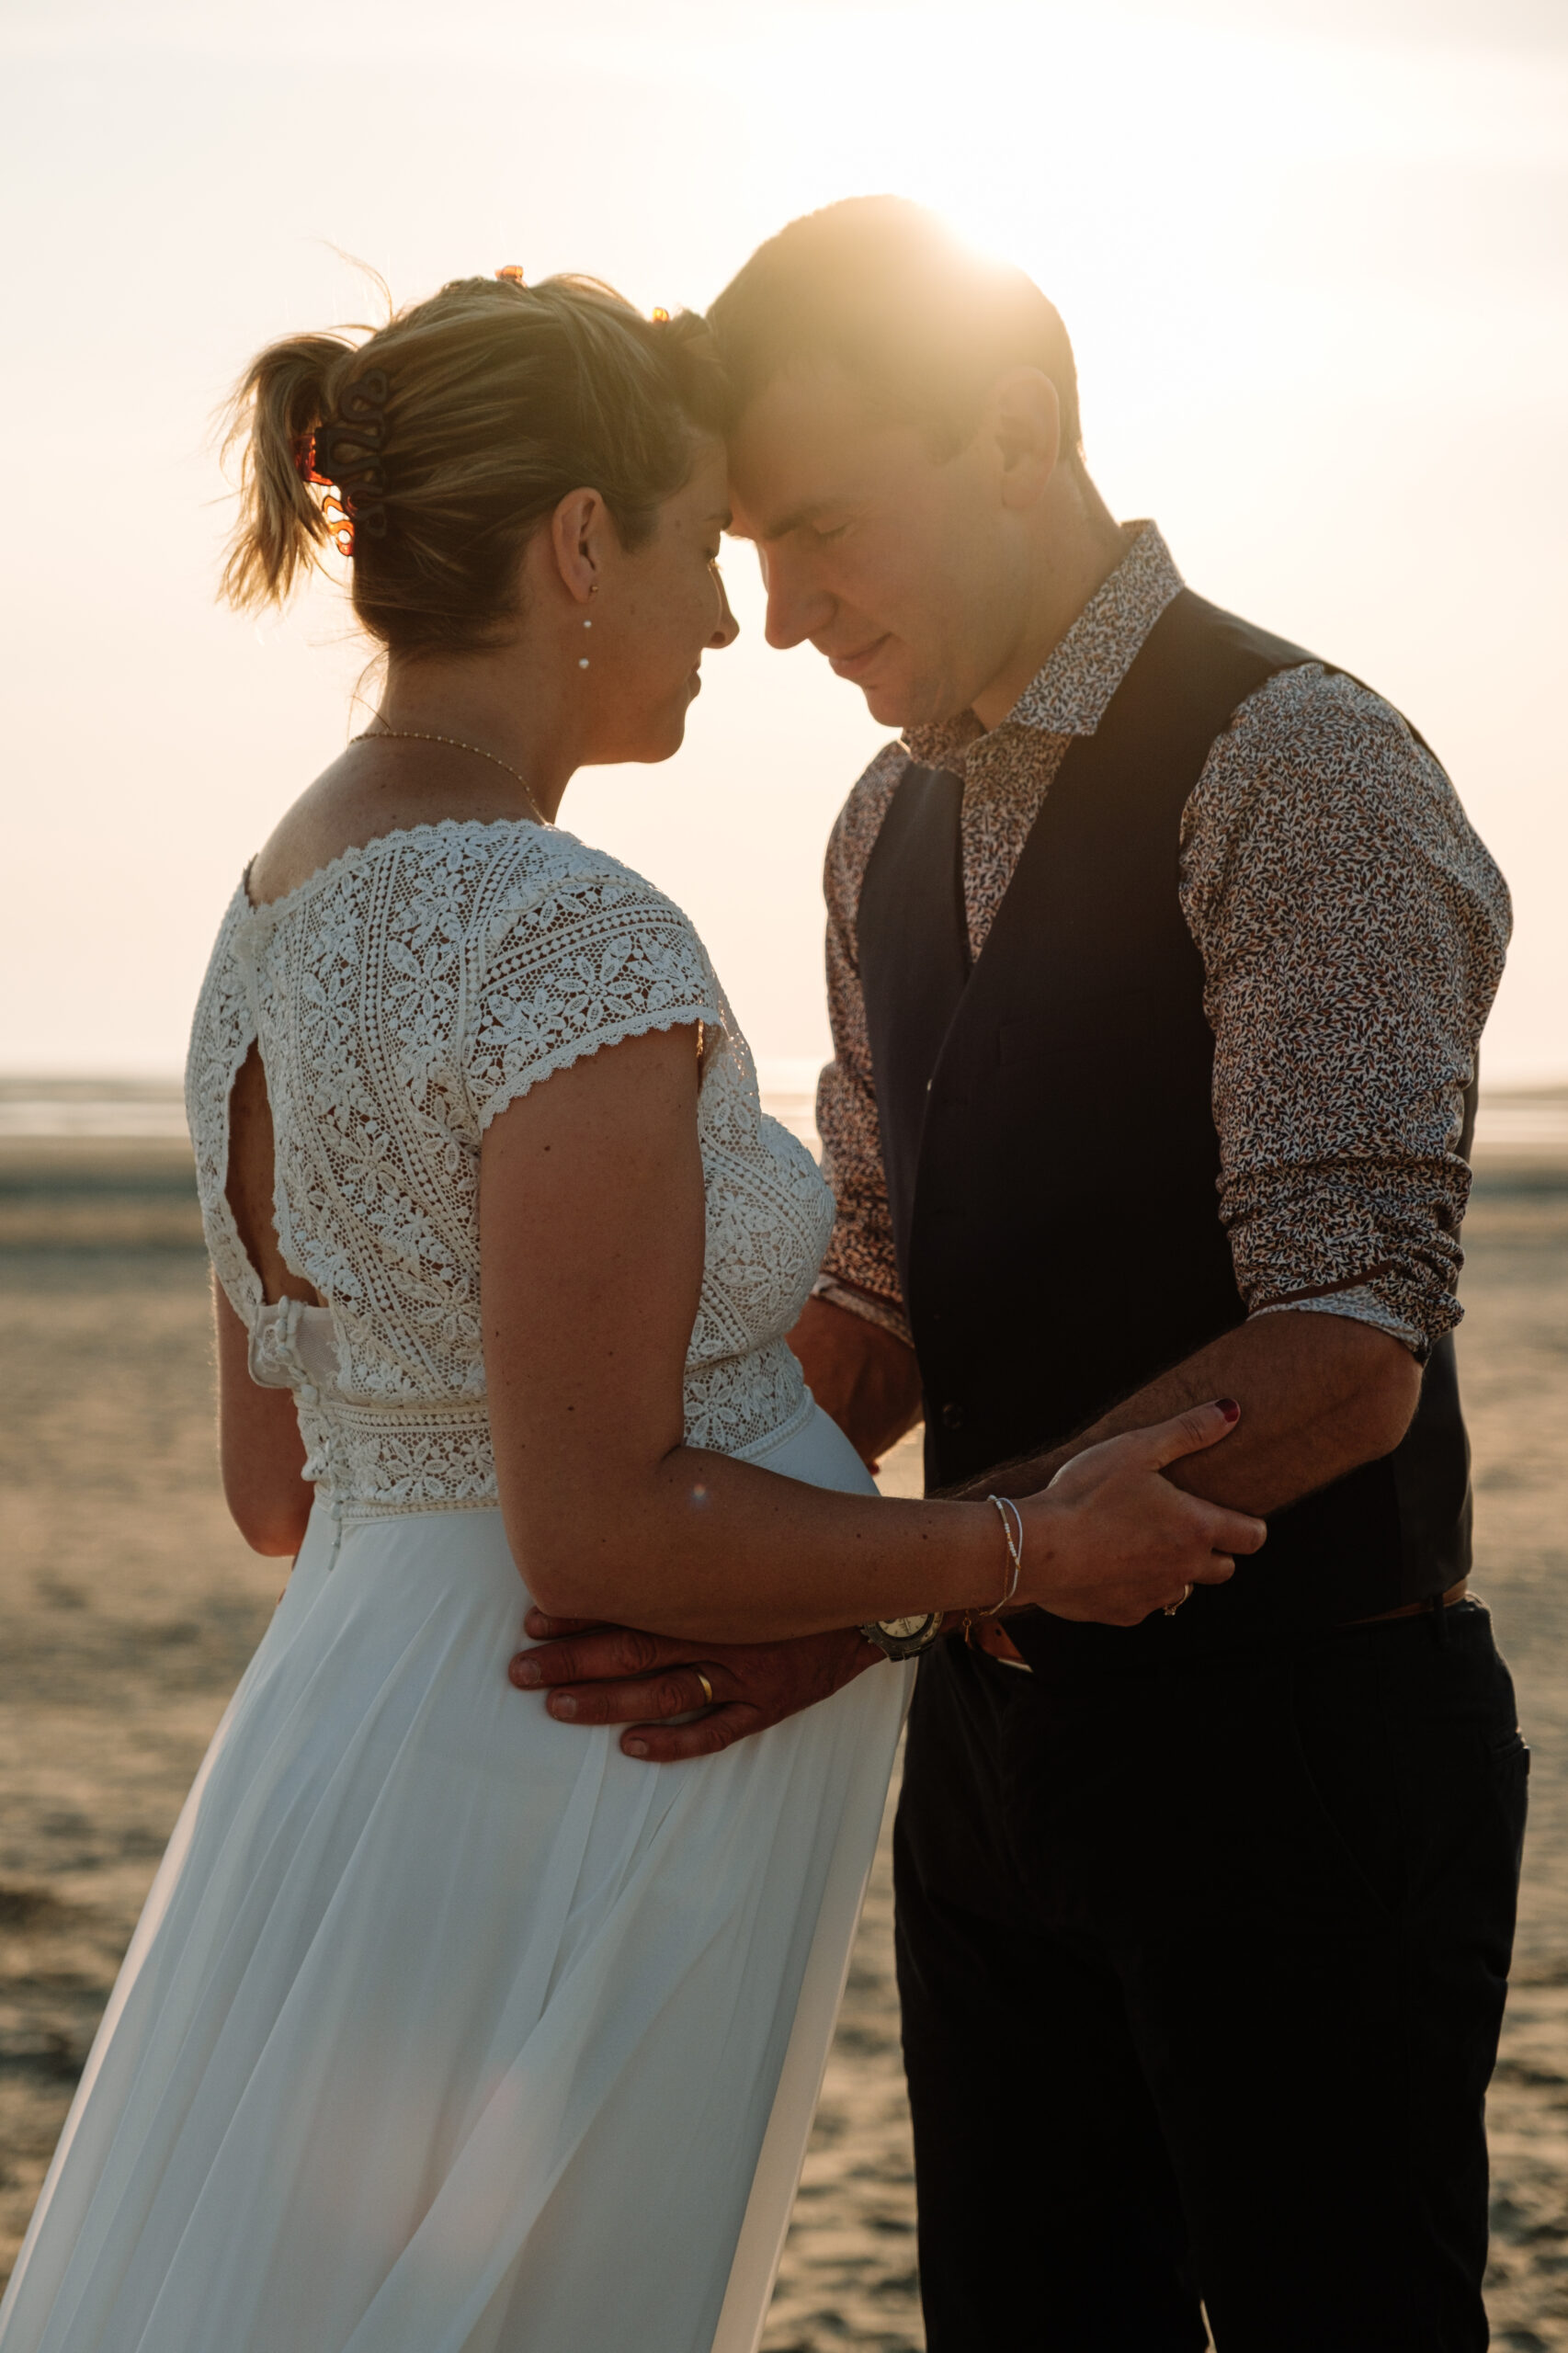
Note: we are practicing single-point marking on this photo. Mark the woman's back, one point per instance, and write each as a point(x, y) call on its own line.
point(401, 997)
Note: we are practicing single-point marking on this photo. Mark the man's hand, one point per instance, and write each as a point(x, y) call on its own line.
point(613, 1674)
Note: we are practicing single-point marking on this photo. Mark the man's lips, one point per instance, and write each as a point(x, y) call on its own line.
point(855, 665)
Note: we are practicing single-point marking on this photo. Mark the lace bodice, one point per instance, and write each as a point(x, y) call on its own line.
point(401, 998)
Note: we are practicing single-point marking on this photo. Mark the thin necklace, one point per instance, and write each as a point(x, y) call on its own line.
point(411, 735)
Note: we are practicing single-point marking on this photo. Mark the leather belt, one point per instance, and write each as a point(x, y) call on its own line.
point(1417, 1608)
point(986, 1635)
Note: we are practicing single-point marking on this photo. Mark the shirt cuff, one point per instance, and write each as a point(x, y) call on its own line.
point(883, 1312)
point(1363, 1306)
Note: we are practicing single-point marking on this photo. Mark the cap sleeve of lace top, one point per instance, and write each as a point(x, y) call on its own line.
point(596, 958)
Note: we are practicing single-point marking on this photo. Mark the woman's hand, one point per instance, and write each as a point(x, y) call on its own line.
point(1110, 1540)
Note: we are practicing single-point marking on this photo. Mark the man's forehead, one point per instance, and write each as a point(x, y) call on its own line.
point(808, 440)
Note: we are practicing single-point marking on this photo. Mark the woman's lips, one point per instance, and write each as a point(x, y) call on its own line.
point(855, 665)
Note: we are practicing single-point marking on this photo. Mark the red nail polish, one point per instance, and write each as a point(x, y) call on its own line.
point(1230, 1408)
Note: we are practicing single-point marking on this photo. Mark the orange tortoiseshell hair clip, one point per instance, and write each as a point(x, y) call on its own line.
point(340, 529)
point(512, 274)
point(339, 522)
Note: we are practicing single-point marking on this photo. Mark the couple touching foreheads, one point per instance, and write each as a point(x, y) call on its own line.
point(1158, 952)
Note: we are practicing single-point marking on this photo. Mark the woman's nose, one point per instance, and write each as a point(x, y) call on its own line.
point(728, 628)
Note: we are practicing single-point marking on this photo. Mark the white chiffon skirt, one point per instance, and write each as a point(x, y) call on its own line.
point(447, 2029)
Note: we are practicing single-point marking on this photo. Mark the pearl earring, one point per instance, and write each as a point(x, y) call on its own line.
point(594, 591)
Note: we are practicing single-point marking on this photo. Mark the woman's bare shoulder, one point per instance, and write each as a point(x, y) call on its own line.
point(353, 804)
point(329, 817)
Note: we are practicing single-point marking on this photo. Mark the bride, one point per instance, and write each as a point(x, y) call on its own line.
point(440, 2033)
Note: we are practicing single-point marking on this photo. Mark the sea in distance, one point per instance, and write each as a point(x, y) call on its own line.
point(130, 1605)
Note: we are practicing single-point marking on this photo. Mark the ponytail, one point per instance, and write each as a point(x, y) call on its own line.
point(282, 397)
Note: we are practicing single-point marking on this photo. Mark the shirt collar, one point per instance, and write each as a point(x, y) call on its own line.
point(1069, 693)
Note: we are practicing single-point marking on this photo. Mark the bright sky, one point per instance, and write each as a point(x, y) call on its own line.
point(1313, 258)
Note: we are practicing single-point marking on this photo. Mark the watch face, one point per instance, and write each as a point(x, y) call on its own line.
point(905, 1637)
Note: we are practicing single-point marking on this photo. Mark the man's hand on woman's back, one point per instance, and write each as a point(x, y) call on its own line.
point(614, 1675)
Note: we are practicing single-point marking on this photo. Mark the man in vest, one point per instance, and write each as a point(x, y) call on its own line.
point(1158, 956)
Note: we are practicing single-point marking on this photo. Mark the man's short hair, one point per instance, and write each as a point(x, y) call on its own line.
point(881, 289)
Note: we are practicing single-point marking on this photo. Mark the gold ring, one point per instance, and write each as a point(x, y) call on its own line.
point(1172, 1607)
point(707, 1687)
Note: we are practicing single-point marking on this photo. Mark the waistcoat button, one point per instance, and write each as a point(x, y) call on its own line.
point(953, 1417)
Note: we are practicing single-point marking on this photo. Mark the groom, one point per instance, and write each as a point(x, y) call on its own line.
point(1158, 955)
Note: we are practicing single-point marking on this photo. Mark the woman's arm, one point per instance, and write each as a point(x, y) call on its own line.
point(258, 1430)
point(259, 1446)
point(591, 1228)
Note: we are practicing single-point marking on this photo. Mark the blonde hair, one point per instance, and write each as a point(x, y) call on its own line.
point(459, 426)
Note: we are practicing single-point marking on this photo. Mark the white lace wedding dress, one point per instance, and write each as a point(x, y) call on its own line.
point(447, 2029)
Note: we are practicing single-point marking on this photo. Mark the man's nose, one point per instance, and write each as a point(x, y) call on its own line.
point(796, 607)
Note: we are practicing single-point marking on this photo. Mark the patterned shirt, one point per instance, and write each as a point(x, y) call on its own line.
point(1352, 928)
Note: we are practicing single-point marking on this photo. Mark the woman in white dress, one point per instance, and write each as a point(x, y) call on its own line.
point(444, 2030)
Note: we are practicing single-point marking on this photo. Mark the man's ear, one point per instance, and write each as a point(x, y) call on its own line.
point(1022, 418)
point(579, 530)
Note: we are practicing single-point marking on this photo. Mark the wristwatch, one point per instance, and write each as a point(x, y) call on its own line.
point(905, 1637)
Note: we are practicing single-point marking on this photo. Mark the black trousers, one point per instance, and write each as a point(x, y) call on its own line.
point(1203, 1966)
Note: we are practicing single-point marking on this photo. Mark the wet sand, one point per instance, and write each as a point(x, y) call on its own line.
point(130, 1607)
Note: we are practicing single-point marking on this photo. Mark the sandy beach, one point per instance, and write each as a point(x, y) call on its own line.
point(131, 1606)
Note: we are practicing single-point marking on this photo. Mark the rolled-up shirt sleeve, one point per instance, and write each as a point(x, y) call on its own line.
point(861, 1270)
point(1352, 927)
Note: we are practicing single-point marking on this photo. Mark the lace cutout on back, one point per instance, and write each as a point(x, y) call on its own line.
point(401, 998)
